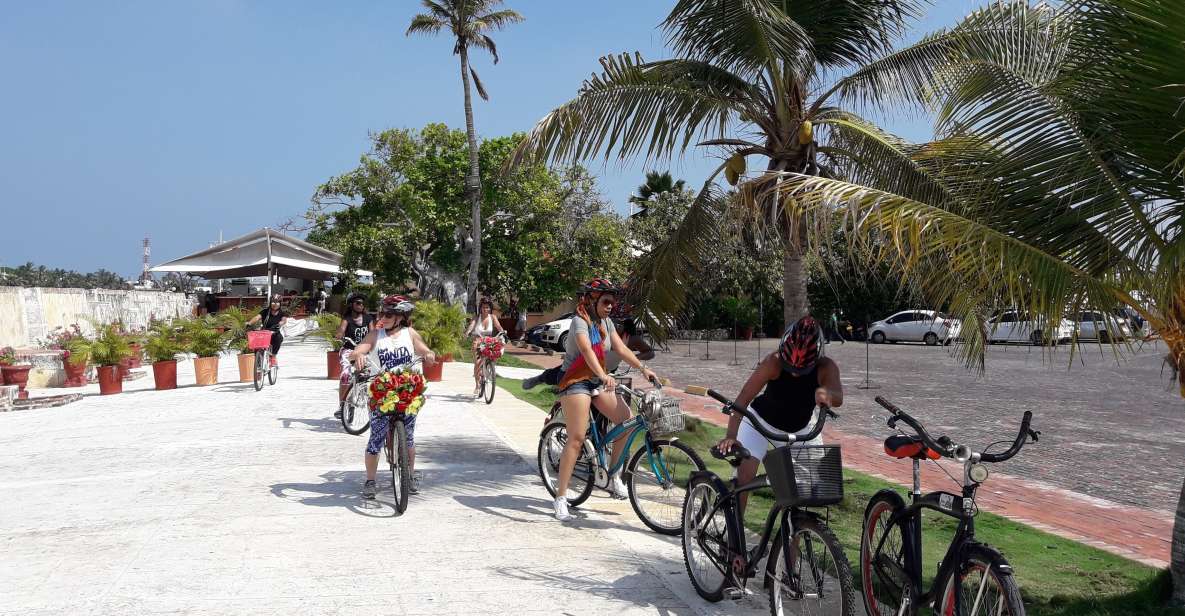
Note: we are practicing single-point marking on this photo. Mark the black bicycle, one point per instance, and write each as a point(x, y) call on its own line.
point(973, 578)
point(806, 565)
point(356, 407)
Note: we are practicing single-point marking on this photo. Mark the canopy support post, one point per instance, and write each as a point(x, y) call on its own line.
point(270, 274)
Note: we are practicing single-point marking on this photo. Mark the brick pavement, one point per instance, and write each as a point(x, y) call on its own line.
point(1075, 476)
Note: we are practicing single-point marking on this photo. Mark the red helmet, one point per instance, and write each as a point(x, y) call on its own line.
point(801, 346)
point(600, 285)
point(397, 303)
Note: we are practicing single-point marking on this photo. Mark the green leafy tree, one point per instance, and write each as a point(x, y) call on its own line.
point(1056, 184)
point(749, 78)
point(656, 184)
point(30, 275)
point(469, 21)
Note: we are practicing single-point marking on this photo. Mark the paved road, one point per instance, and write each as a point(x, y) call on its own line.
point(1112, 429)
point(223, 500)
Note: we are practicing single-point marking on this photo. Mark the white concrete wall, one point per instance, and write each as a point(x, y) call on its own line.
point(27, 314)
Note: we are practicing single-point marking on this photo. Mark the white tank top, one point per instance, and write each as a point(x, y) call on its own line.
point(391, 352)
point(484, 327)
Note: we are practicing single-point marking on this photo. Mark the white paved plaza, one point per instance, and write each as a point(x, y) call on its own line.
point(224, 500)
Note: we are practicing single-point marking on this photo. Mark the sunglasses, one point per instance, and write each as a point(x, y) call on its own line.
point(358, 301)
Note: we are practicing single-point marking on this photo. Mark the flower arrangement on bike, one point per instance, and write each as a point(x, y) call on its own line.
point(398, 392)
point(585, 381)
point(490, 347)
point(393, 346)
point(485, 325)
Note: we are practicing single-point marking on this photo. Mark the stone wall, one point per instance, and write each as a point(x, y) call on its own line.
point(27, 314)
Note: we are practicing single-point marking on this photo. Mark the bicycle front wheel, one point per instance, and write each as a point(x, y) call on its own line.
point(707, 542)
point(658, 483)
point(356, 410)
point(983, 586)
point(260, 360)
point(491, 377)
point(811, 573)
point(400, 464)
point(551, 446)
point(884, 573)
point(273, 372)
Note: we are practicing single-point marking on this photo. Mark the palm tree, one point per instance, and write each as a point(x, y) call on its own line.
point(656, 184)
point(747, 79)
point(469, 21)
point(1056, 183)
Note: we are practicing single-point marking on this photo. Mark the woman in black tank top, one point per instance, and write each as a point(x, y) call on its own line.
point(784, 390)
point(356, 323)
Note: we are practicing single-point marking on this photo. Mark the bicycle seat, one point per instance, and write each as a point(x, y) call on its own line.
point(907, 446)
point(735, 456)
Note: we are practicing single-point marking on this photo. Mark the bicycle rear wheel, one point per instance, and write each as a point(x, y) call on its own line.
point(356, 410)
point(883, 571)
point(811, 573)
point(491, 378)
point(257, 379)
point(707, 542)
point(551, 447)
point(658, 498)
point(397, 457)
point(985, 587)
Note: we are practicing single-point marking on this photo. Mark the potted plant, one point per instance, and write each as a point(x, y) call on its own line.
point(66, 340)
point(107, 350)
point(14, 373)
point(233, 321)
point(135, 351)
point(162, 345)
point(327, 324)
point(203, 339)
point(742, 316)
point(443, 328)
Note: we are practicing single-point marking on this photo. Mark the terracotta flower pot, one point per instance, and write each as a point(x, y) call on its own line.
point(165, 374)
point(125, 367)
point(446, 357)
point(333, 364)
point(434, 373)
point(17, 375)
point(137, 358)
point(246, 367)
point(110, 381)
point(205, 370)
point(75, 374)
point(743, 332)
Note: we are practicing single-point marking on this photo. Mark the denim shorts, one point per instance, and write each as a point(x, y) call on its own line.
point(587, 387)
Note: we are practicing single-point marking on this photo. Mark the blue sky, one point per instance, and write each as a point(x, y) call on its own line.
point(181, 119)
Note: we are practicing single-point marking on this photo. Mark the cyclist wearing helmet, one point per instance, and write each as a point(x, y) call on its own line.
point(393, 344)
point(273, 317)
point(483, 326)
point(790, 381)
point(356, 323)
point(585, 381)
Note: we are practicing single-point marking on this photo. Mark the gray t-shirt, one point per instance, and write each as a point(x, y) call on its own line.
point(571, 351)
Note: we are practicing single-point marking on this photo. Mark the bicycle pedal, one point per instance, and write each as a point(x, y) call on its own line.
point(733, 593)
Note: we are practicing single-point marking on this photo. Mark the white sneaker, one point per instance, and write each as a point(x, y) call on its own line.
point(561, 509)
point(617, 488)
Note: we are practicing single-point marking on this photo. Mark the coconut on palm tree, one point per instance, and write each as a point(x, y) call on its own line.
point(749, 78)
point(469, 21)
point(1056, 182)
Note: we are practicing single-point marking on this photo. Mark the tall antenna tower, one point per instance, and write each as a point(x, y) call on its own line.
point(144, 275)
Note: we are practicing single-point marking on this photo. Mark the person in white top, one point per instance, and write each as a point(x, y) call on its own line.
point(393, 344)
point(484, 325)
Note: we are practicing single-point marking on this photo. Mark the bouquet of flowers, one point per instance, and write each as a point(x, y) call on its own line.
point(489, 347)
point(7, 356)
point(397, 391)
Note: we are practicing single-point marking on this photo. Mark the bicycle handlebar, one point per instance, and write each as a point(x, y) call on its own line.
point(941, 445)
point(755, 421)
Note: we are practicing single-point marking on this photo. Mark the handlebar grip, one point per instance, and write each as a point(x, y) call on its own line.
point(718, 397)
point(1021, 436)
point(888, 406)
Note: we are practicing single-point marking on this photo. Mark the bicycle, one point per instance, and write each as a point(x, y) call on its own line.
point(487, 375)
point(806, 561)
point(655, 474)
point(356, 410)
point(398, 458)
point(891, 539)
point(260, 341)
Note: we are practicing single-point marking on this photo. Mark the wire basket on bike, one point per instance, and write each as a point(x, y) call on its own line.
point(805, 476)
point(663, 414)
point(259, 339)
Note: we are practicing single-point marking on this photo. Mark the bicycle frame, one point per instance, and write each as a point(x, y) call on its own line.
point(635, 425)
point(729, 502)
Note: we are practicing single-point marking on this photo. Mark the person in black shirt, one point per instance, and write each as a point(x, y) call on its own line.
point(356, 323)
point(273, 317)
point(791, 381)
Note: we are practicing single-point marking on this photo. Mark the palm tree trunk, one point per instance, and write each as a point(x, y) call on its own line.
point(796, 305)
point(1177, 562)
point(472, 191)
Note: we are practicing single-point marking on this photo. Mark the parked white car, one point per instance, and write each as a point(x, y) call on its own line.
point(555, 333)
point(1097, 325)
point(929, 326)
point(1011, 326)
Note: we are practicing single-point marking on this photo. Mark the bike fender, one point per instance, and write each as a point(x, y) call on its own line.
point(888, 493)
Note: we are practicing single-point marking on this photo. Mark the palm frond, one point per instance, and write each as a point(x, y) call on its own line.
point(478, 85)
point(744, 36)
point(847, 33)
point(634, 107)
point(496, 20)
point(425, 24)
point(486, 43)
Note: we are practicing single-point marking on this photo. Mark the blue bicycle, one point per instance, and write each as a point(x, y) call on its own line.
point(656, 473)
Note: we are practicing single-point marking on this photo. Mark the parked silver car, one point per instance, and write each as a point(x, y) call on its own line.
point(929, 326)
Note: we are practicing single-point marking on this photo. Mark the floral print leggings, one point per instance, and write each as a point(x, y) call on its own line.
point(380, 424)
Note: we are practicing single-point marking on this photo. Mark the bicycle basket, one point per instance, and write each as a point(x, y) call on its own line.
point(258, 340)
point(663, 413)
point(805, 476)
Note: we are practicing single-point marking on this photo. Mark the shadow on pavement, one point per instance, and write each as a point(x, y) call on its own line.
point(339, 490)
point(331, 424)
point(533, 509)
point(636, 588)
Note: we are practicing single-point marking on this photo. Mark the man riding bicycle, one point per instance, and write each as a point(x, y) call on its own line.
point(394, 344)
